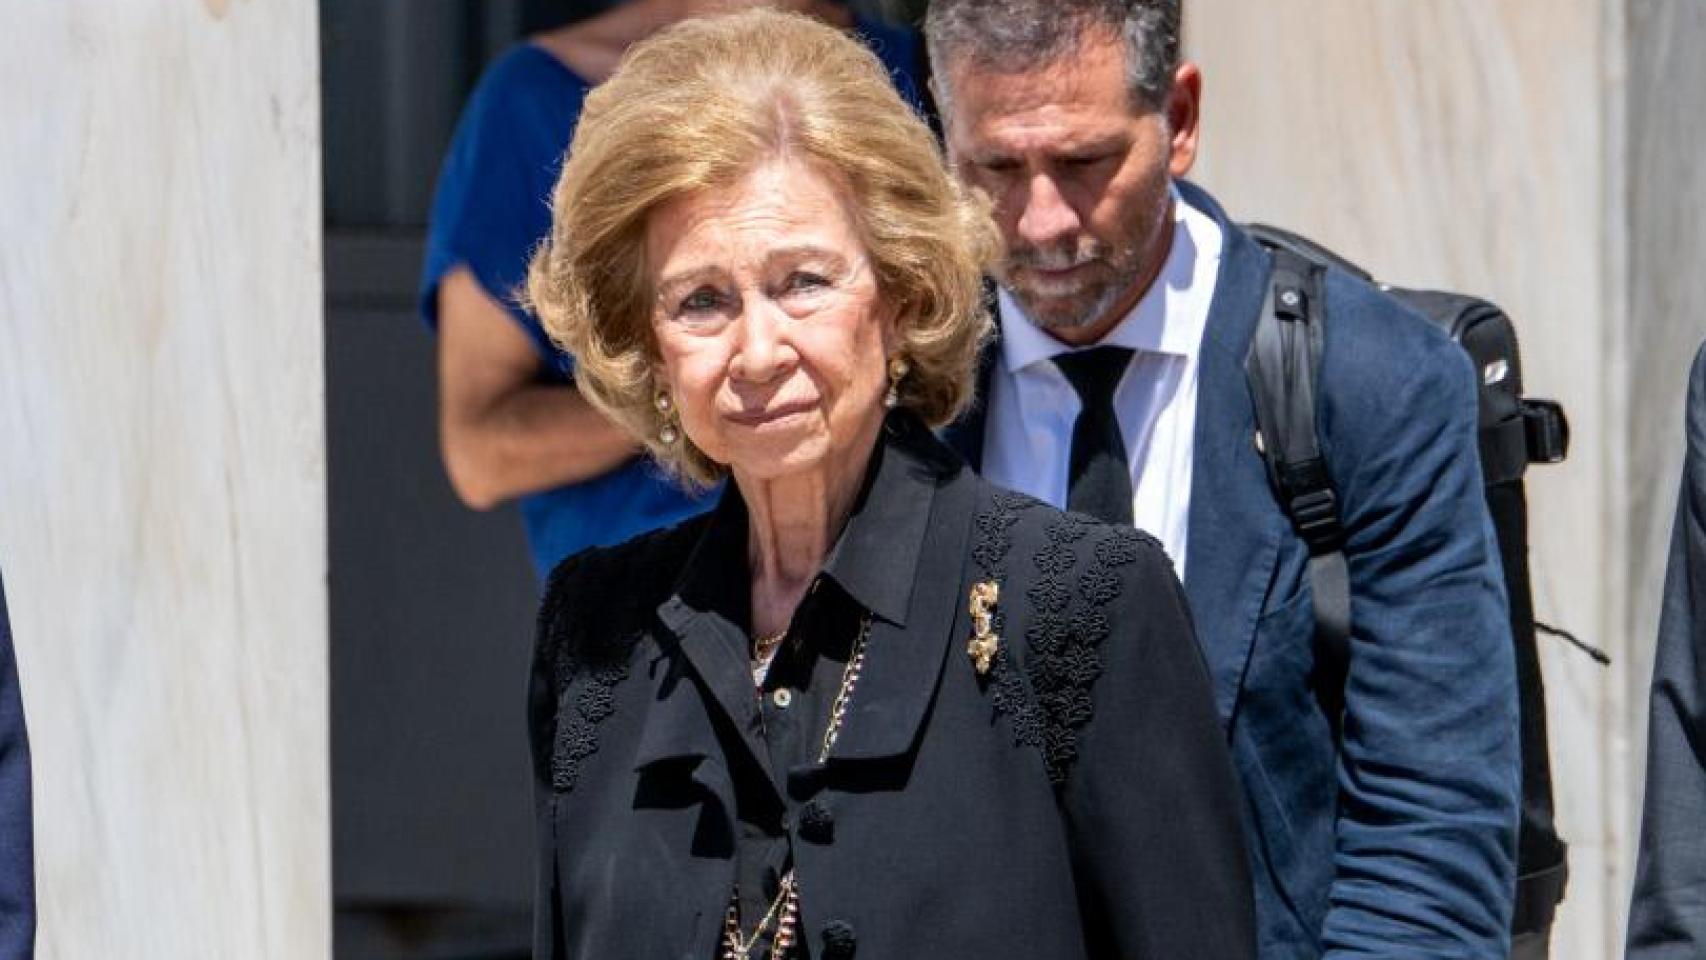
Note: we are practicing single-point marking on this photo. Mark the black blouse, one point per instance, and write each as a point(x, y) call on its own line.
point(806, 672)
point(1071, 799)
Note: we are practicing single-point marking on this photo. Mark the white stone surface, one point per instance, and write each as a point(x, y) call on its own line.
point(1545, 155)
point(162, 506)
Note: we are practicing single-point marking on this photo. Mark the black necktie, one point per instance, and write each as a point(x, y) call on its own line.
point(1099, 481)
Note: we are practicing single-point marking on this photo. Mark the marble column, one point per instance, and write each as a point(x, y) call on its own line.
point(1544, 155)
point(162, 487)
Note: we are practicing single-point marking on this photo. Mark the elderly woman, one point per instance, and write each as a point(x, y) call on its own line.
point(869, 702)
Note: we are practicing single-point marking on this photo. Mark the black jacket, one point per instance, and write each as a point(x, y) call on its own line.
point(1076, 801)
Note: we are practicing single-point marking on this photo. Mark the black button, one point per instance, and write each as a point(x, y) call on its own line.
point(817, 824)
point(838, 940)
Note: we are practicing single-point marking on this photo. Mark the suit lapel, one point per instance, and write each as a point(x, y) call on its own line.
point(1234, 531)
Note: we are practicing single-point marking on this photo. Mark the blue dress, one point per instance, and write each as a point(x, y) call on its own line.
point(492, 208)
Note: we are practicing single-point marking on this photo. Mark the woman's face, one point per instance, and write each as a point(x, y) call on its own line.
point(772, 334)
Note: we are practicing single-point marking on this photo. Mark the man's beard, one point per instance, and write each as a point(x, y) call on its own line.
point(1082, 300)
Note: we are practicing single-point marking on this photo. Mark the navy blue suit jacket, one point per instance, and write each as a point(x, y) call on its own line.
point(17, 865)
point(1667, 920)
point(1398, 838)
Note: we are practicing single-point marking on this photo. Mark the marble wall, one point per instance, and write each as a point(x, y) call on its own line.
point(1544, 156)
point(162, 488)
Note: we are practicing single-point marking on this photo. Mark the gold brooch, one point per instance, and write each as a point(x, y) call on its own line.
point(984, 640)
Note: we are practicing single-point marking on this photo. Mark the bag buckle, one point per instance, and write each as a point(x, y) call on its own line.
point(1546, 430)
point(1314, 507)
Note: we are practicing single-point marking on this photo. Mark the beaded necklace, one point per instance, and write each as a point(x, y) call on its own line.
point(784, 912)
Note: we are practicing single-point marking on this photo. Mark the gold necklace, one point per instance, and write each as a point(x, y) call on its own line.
point(763, 648)
point(784, 910)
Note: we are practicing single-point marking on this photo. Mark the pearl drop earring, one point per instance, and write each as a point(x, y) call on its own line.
point(668, 433)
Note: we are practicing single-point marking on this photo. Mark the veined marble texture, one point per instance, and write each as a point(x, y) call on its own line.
point(162, 488)
point(1546, 156)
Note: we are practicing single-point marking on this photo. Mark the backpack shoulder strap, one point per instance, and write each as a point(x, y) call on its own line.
point(1281, 367)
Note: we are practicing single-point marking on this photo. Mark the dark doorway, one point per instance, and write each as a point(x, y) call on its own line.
point(431, 604)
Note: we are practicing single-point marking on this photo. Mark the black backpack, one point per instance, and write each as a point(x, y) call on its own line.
point(1515, 431)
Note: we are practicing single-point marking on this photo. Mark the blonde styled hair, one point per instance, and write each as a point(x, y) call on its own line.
point(696, 107)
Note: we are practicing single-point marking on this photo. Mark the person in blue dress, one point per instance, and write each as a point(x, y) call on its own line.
point(512, 425)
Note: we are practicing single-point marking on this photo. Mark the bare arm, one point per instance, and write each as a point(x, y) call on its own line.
point(502, 433)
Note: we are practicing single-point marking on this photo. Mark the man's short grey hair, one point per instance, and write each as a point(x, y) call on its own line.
point(1013, 36)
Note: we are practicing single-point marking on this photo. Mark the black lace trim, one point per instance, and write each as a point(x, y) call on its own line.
point(1007, 689)
point(1049, 700)
point(995, 533)
point(586, 673)
point(1063, 663)
point(576, 735)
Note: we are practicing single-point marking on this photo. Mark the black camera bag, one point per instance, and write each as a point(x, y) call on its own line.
point(1515, 431)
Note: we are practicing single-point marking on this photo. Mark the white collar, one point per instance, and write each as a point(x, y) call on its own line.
point(1156, 324)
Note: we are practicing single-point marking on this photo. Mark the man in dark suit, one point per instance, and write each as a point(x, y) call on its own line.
point(1382, 796)
point(1668, 917)
point(17, 864)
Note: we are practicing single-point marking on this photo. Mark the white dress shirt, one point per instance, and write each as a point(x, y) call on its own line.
point(1032, 407)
